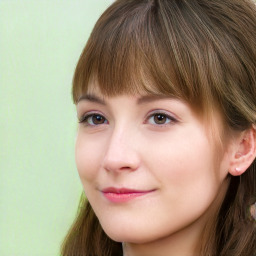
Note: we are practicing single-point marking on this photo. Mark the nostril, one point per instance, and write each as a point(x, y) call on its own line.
point(118, 168)
point(121, 163)
point(124, 168)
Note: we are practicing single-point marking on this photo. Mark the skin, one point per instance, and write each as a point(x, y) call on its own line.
point(176, 160)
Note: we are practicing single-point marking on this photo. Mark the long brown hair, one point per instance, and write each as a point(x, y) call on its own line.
point(201, 51)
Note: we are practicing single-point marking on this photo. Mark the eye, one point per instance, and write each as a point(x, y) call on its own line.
point(161, 119)
point(93, 119)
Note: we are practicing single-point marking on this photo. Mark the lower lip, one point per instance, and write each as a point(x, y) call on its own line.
point(123, 197)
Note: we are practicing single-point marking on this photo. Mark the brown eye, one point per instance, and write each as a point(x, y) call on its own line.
point(93, 120)
point(160, 118)
point(97, 119)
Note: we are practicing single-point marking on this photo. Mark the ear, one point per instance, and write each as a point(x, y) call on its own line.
point(244, 152)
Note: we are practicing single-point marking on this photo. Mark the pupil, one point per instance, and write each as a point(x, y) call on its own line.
point(97, 119)
point(160, 119)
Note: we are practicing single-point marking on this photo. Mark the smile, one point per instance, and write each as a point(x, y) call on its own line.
point(121, 195)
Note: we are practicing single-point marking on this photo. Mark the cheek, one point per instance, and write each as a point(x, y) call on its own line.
point(186, 168)
point(87, 156)
point(180, 155)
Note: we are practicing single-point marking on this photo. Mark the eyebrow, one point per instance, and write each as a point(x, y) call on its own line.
point(92, 98)
point(142, 100)
point(149, 98)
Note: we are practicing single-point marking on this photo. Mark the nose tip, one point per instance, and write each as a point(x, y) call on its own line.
point(121, 156)
point(119, 165)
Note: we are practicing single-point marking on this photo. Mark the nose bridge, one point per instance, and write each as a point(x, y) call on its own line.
point(121, 152)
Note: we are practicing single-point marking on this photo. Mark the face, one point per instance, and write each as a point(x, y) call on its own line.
point(147, 164)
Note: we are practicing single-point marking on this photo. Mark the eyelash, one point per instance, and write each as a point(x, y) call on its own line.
point(163, 114)
point(84, 119)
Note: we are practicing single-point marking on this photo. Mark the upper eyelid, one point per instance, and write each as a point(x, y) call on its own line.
point(90, 112)
point(87, 114)
point(164, 112)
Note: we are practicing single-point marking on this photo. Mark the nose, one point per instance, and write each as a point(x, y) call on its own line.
point(121, 152)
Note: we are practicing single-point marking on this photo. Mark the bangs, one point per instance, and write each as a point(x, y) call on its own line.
point(132, 51)
point(173, 48)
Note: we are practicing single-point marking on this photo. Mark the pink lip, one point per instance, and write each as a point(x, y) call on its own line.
point(120, 195)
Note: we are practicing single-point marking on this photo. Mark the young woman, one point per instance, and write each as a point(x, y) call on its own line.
point(166, 101)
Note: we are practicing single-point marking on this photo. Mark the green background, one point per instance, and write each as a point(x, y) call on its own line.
point(40, 43)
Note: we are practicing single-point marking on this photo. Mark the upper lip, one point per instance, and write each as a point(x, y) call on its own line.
point(124, 190)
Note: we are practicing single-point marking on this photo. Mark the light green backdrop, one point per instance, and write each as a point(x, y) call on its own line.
point(40, 42)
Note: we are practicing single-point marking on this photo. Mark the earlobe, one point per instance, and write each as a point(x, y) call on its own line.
point(244, 152)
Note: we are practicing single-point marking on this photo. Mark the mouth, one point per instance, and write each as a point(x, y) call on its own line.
point(120, 195)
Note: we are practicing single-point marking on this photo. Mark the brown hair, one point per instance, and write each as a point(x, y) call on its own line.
point(201, 51)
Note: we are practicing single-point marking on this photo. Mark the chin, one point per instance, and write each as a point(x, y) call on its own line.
point(118, 234)
point(129, 235)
